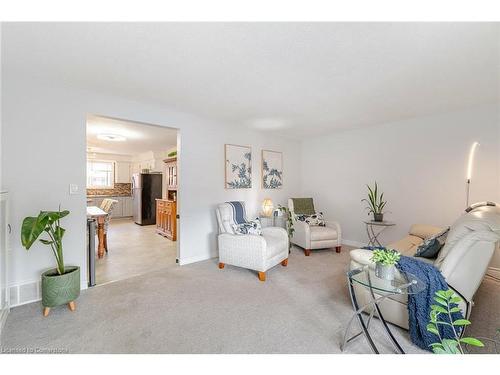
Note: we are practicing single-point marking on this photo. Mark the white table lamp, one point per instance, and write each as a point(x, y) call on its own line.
point(267, 207)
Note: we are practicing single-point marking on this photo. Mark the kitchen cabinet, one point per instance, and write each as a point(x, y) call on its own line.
point(122, 209)
point(171, 168)
point(127, 207)
point(122, 172)
point(166, 218)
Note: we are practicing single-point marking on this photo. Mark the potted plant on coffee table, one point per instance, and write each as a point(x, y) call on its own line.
point(375, 203)
point(60, 285)
point(385, 263)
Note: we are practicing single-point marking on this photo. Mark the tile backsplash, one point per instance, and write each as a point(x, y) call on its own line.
point(120, 190)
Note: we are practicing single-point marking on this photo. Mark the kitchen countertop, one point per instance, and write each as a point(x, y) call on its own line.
point(108, 196)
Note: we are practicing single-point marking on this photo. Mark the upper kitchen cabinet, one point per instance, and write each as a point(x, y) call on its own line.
point(123, 172)
point(171, 169)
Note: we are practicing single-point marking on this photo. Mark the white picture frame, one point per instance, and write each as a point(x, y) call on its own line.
point(237, 167)
point(272, 169)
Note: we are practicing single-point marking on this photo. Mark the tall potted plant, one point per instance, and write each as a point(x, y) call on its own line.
point(375, 203)
point(289, 224)
point(60, 285)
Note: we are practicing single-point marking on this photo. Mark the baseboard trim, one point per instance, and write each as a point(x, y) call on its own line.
point(184, 261)
point(353, 243)
point(26, 292)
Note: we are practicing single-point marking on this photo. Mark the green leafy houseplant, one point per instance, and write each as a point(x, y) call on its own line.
point(386, 257)
point(46, 222)
point(375, 203)
point(62, 284)
point(446, 305)
point(289, 222)
point(385, 261)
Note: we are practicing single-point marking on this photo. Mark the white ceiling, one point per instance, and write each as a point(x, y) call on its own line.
point(294, 79)
point(140, 138)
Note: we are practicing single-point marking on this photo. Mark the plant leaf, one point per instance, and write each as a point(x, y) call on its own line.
point(439, 309)
point(432, 328)
point(450, 346)
point(31, 229)
point(461, 322)
point(441, 301)
point(471, 341)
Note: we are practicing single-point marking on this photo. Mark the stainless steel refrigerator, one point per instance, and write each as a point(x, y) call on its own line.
point(146, 188)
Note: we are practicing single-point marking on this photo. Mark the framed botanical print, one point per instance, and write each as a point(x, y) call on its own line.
point(238, 167)
point(272, 169)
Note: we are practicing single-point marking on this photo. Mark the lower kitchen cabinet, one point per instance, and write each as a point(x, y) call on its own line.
point(122, 209)
point(166, 218)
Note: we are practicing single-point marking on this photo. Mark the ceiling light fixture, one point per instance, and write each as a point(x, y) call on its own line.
point(111, 137)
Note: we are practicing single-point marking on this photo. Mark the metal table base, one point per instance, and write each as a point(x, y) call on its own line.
point(365, 325)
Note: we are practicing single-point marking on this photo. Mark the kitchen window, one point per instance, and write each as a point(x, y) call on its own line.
point(100, 174)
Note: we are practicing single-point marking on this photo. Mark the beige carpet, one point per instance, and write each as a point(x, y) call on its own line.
point(198, 308)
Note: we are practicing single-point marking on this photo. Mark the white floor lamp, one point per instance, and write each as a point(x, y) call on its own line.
point(469, 170)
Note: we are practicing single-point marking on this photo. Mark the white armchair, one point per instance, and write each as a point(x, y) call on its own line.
point(259, 253)
point(313, 237)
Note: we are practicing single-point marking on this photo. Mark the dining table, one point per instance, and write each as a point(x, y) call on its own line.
point(97, 213)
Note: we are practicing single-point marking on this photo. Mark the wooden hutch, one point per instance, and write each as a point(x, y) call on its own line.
point(166, 209)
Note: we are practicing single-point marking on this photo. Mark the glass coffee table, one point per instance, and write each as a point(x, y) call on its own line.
point(379, 290)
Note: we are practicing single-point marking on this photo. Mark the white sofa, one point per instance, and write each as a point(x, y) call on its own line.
point(315, 237)
point(258, 253)
point(463, 260)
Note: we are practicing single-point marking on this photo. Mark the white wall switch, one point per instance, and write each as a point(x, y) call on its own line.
point(73, 189)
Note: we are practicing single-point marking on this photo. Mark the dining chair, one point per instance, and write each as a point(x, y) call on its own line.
point(107, 206)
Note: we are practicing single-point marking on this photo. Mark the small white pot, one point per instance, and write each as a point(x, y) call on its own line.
point(385, 272)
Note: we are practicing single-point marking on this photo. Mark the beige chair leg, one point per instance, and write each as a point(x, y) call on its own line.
point(307, 252)
point(221, 265)
point(285, 262)
point(72, 306)
point(338, 248)
point(262, 276)
point(46, 311)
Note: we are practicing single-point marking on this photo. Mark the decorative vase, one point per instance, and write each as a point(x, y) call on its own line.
point(378, 217)
point(385, 272)
point(60, 289)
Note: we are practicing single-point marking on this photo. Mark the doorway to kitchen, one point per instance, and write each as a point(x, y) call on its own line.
point(132, 198)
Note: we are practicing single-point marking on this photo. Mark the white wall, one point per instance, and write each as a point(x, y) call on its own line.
point(109, 157)
point(419, 163)
point(44, 150)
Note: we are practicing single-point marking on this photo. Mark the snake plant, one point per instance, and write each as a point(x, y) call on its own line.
point(375, 201)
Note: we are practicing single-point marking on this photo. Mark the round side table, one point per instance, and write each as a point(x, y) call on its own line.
point(380, 289)
point(374, 229)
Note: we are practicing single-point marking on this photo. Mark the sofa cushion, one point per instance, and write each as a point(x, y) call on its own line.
point(424, 231)
point(407, 245)
point(319, 233)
